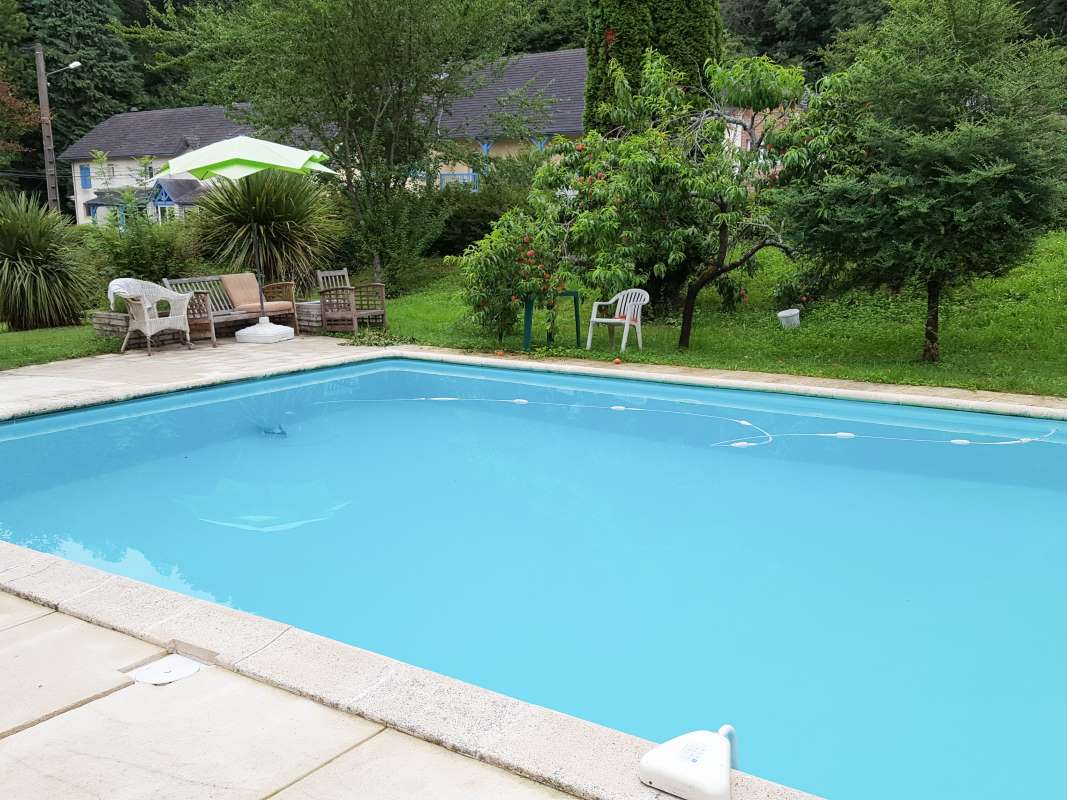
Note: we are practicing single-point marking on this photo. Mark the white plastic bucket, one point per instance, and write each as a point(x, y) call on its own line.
point(790, 318)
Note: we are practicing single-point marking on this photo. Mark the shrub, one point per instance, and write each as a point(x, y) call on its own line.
point(41, 285)
point(279, 223)
point(140, 248)
point(504, 268)
point(471, 216)
point(503, 184)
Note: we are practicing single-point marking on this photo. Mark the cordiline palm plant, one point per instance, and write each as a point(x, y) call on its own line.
point(41, 285)
point(279, 224)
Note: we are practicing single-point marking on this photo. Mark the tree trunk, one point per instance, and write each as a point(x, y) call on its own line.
point(687, 313)
point(378, 268)
point(932, 345)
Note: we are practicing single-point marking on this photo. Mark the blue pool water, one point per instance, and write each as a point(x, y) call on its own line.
point(879, 613)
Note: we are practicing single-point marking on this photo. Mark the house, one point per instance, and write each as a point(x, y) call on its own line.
point(158, 136)
point(553, 80)
point(557, 78)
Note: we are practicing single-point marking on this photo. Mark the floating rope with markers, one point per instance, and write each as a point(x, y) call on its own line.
point(758, 437)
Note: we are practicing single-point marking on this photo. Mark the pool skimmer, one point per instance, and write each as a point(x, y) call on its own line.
point(166, 670)
point(693, 766)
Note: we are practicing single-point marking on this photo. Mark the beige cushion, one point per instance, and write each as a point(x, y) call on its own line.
point(242, 287)
point(271, 306)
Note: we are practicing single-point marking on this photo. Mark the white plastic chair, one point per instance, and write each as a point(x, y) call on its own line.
point(141, 298)
point(627, 313)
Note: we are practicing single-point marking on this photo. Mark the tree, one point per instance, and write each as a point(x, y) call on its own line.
point(619, 31)
point(796, 31)
point(17, 114)
point(17, 117)
point(552, 25)
point(668, 195)
point(109, 80)
point(365, 81)
point(1046, 17)
point(929, 166)
point(279, 225)
point(685, 32)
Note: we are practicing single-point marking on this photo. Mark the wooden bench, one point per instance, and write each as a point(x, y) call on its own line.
point(214, 305)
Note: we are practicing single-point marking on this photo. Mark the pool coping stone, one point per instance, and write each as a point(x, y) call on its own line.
point(1004, 403)
point(572, 755)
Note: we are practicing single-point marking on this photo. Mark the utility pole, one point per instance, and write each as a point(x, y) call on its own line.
point(50, 178)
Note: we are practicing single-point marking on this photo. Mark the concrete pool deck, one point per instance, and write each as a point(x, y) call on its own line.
point(79, 727)
point(425, 718)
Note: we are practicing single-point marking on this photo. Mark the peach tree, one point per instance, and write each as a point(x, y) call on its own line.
point(665, 194)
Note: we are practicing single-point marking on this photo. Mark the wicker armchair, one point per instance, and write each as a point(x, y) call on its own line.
point(142, 299)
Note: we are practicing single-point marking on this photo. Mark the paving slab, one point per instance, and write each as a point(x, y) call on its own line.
point(56, 662)
point(226, 633)
point(394, 766)
point(15, 611)
point(127, 605)
point(212, 736)
point(50, 580)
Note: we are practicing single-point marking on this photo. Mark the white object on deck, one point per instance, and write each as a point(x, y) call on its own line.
point(694, 766)
point(166, 670)
point(264, 332)
point(627, 313)
point(790, 318)
point(142, 298)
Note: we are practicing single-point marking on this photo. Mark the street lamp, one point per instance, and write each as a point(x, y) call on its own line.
point(50, 179)
point(71, 65)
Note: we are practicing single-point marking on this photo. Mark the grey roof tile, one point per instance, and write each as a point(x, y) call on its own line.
point(164, 132)
point(559, 76)
point(183, 191)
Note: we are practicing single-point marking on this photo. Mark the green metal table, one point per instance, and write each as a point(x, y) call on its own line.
point(527, 322)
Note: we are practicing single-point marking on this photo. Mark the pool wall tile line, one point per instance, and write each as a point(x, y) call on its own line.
point(564, 752)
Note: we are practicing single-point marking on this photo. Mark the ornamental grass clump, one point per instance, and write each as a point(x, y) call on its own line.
point(41, 285)
point(279, 224)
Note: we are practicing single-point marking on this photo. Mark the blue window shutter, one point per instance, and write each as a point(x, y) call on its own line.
point(86, 176)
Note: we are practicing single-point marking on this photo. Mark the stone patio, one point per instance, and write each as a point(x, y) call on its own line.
point(74, 725)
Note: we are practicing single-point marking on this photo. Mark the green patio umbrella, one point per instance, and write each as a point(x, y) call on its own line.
point(238, 158)
point(242, 156)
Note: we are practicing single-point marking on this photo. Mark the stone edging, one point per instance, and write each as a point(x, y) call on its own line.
point(566, 753)
point(1037, 407)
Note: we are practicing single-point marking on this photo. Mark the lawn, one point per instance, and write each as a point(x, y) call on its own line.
point(1006, 334)
point(20, 348)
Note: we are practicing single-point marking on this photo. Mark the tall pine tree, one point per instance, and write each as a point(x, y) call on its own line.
point(619, 30)
point(687, 32)
point(109, 80)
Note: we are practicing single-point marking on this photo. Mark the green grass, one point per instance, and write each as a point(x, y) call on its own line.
point(19, 348)
point(1005, 334)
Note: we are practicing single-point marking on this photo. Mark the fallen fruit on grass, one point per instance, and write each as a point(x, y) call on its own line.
point(617, 361)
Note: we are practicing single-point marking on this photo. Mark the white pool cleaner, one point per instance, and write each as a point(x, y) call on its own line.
point(694, 766)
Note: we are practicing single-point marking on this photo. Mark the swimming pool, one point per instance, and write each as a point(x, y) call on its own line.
point(872, 594)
